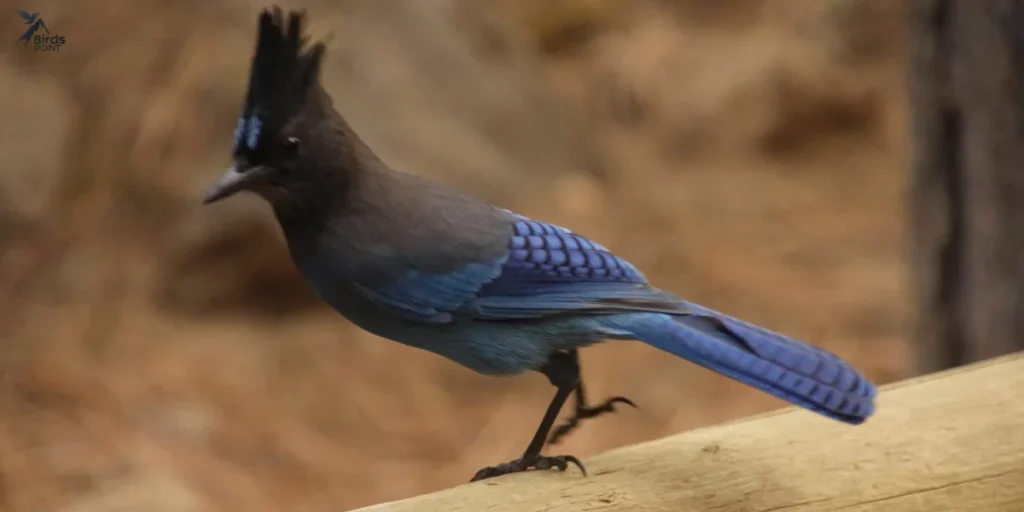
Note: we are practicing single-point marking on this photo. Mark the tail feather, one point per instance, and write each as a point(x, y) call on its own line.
point(781, 366)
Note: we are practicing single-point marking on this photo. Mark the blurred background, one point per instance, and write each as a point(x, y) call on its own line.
point(749, 155)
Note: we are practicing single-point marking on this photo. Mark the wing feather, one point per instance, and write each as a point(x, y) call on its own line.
point(547, 271)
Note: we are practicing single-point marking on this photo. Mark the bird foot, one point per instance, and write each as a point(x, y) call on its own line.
point(584, 412)
point(528, 462)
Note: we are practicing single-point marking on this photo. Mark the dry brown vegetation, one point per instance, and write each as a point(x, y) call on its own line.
point(156, 355)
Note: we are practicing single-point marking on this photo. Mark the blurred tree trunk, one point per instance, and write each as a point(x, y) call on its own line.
point(967, 179)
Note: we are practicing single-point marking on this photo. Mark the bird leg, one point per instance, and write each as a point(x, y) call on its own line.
point(563, 370)
point(584, 411)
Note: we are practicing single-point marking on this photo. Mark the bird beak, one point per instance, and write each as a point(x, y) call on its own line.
point(230, 183)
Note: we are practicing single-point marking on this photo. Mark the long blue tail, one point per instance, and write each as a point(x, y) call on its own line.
point(784, 367)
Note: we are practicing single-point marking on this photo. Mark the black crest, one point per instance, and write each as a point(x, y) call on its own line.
point(282, 76)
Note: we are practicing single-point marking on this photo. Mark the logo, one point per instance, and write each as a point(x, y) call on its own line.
point(37, 34)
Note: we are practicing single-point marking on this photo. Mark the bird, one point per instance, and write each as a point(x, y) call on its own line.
point(27, 17)
point(418, 262)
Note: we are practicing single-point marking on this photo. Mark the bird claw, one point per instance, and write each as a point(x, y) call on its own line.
point(585, 412)
point(526, 463)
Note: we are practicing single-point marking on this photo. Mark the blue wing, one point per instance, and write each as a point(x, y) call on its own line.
point(551, 270)
point(542, 255)
point(547, 270)
point(29, 18)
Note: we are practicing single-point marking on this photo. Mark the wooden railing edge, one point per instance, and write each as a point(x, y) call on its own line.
point(948, 440)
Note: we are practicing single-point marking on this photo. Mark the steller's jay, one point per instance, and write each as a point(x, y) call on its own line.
point(416, 262)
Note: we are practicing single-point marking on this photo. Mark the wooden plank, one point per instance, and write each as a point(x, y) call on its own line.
point(952, 440)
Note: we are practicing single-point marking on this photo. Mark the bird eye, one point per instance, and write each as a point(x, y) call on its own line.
point(291, 146)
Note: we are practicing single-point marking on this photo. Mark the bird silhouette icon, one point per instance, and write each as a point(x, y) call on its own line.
point(34, 22)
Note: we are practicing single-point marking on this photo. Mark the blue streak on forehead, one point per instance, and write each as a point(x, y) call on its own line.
point(255, 125)
point(248, 131)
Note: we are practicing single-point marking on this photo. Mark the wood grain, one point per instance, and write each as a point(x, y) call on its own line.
point(952, 440)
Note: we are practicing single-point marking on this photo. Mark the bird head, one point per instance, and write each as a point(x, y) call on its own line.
point(281, 109)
